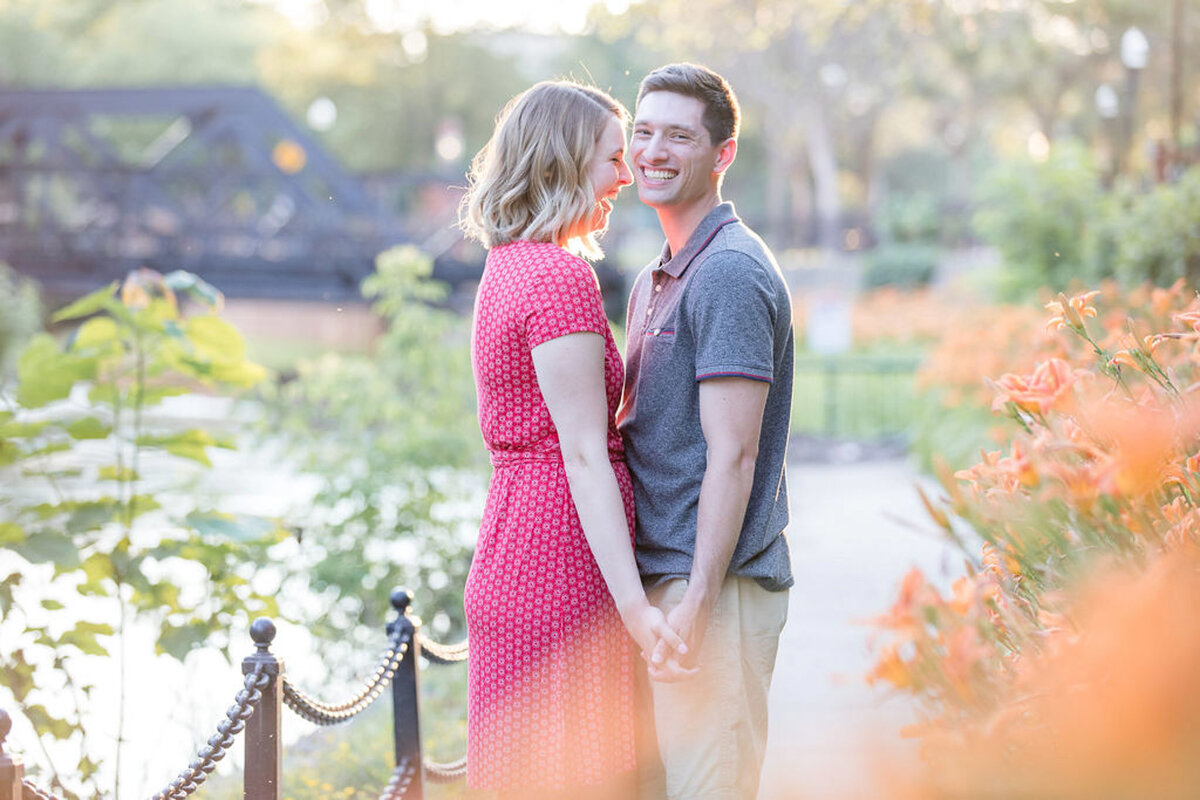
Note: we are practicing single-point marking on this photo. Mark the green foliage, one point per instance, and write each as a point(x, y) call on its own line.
point(395, 440)
point(82, 532)
point(904, 265)
point(20, 317)
point(1157, 235)
point(1039, 216)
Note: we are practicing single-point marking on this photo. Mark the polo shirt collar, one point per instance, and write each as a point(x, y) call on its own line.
point(677, 264)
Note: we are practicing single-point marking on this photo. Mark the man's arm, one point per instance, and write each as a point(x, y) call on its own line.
point(731, 412)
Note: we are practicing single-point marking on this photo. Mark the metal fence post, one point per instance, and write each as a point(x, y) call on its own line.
point(264, 747)
point(406, 717)
point(12, 768)
point(831, 397)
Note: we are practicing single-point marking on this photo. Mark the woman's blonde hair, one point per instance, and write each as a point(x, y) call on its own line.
point(530, 181)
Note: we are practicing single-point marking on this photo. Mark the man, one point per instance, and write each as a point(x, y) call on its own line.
point(705, 416)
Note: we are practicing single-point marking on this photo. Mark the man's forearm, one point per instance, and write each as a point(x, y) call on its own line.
point(724, 494)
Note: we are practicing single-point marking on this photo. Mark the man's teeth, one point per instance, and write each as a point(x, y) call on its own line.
point(659, 174)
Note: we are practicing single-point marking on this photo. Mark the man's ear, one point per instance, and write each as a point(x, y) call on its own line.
point(725, 155)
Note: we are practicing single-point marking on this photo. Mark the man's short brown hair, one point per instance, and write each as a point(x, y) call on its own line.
point(722, 117)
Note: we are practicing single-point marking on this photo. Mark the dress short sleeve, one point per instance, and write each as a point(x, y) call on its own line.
point(733, 316)
point(563, 298)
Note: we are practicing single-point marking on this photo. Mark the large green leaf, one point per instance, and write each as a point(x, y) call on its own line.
point(235, 527)
point(46, 724)
point(89, 428)
point(192, 284)
point(179, 640)
point(83, 636)
point(48, 547)
point(215, 339)
point(11, 533)
point(46, 374)
point(101, 299)
point(97, 332)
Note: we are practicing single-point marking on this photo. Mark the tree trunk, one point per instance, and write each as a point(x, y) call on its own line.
point(822, 163)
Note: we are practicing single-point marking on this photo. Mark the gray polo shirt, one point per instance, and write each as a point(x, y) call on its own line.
point(717, 308)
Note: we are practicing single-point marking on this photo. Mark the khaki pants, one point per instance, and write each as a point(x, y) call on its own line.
point(712, 728)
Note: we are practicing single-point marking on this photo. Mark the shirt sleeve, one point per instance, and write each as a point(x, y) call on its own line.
point(733, 314)
point(563, 298)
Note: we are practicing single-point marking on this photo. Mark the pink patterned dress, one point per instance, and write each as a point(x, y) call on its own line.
point(550, 696)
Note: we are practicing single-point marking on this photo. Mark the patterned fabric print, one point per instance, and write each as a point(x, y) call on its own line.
point(550, 696)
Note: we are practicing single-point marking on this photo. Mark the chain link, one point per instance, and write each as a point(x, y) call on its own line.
point(442, 653)
point(31, 792)
point(446, 773)
point(206, 760)
point(323, 713)
point(402, 776)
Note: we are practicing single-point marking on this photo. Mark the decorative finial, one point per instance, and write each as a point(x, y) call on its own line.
point(401, 599)
point(262, 631)
point(5, 727)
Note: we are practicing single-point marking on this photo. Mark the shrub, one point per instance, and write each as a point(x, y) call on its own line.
point(904, 266)
point(83, 507)
point(1039, 216)
point(395, 441)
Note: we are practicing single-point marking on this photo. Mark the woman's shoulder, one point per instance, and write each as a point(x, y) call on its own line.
point(542, 259)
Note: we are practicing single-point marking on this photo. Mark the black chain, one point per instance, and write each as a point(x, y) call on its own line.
point(235, 721)
point(206, 760)
point(446, 773)
point(323, 713)
point(402, 776)
point(443, 653)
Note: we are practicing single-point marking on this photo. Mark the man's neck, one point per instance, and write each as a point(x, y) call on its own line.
point(678, 224)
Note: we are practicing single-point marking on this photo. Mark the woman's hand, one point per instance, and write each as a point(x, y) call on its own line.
point(660, 645)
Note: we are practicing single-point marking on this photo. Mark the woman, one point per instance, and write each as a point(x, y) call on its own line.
point(553, 585)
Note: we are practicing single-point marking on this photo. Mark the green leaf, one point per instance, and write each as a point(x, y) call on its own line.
point(117, 474)
point(83, 636)
point(89, 428)
point(97, 332)
point(239, 528)
point(52, 605)
point(98, 568)
point(11, 533)
point(48, 547)
point(194, 285)
point(191, 444)
point(40, 379)
point(89, 304)
point(45, 723)
point(215, 339)
point(90, 515)
point(179, 640)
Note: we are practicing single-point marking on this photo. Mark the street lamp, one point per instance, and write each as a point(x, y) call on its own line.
point(1135, 52)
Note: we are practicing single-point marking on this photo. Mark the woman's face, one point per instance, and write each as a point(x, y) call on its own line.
point(608, 172)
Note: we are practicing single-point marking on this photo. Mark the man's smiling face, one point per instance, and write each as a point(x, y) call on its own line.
point(673, 155)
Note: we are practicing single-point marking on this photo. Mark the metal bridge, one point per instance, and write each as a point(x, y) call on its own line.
point(217, 181)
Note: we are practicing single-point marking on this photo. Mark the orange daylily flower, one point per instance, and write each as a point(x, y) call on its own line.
point(1047, 388)
point(1070, 312)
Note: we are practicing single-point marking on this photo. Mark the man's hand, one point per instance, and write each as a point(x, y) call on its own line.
point(654, 635)
point(689, 620)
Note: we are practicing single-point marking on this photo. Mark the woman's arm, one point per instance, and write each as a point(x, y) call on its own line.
point(570, 374)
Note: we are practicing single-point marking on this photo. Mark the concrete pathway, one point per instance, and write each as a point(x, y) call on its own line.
point(852, 540)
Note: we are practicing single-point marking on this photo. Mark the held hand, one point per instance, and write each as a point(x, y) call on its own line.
point(654, 636)
point(690, 620)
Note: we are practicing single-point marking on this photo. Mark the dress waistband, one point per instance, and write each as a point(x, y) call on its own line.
point(504, 458)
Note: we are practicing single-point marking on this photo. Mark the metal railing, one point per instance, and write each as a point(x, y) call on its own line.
point(851, 397)
point(258, 709)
